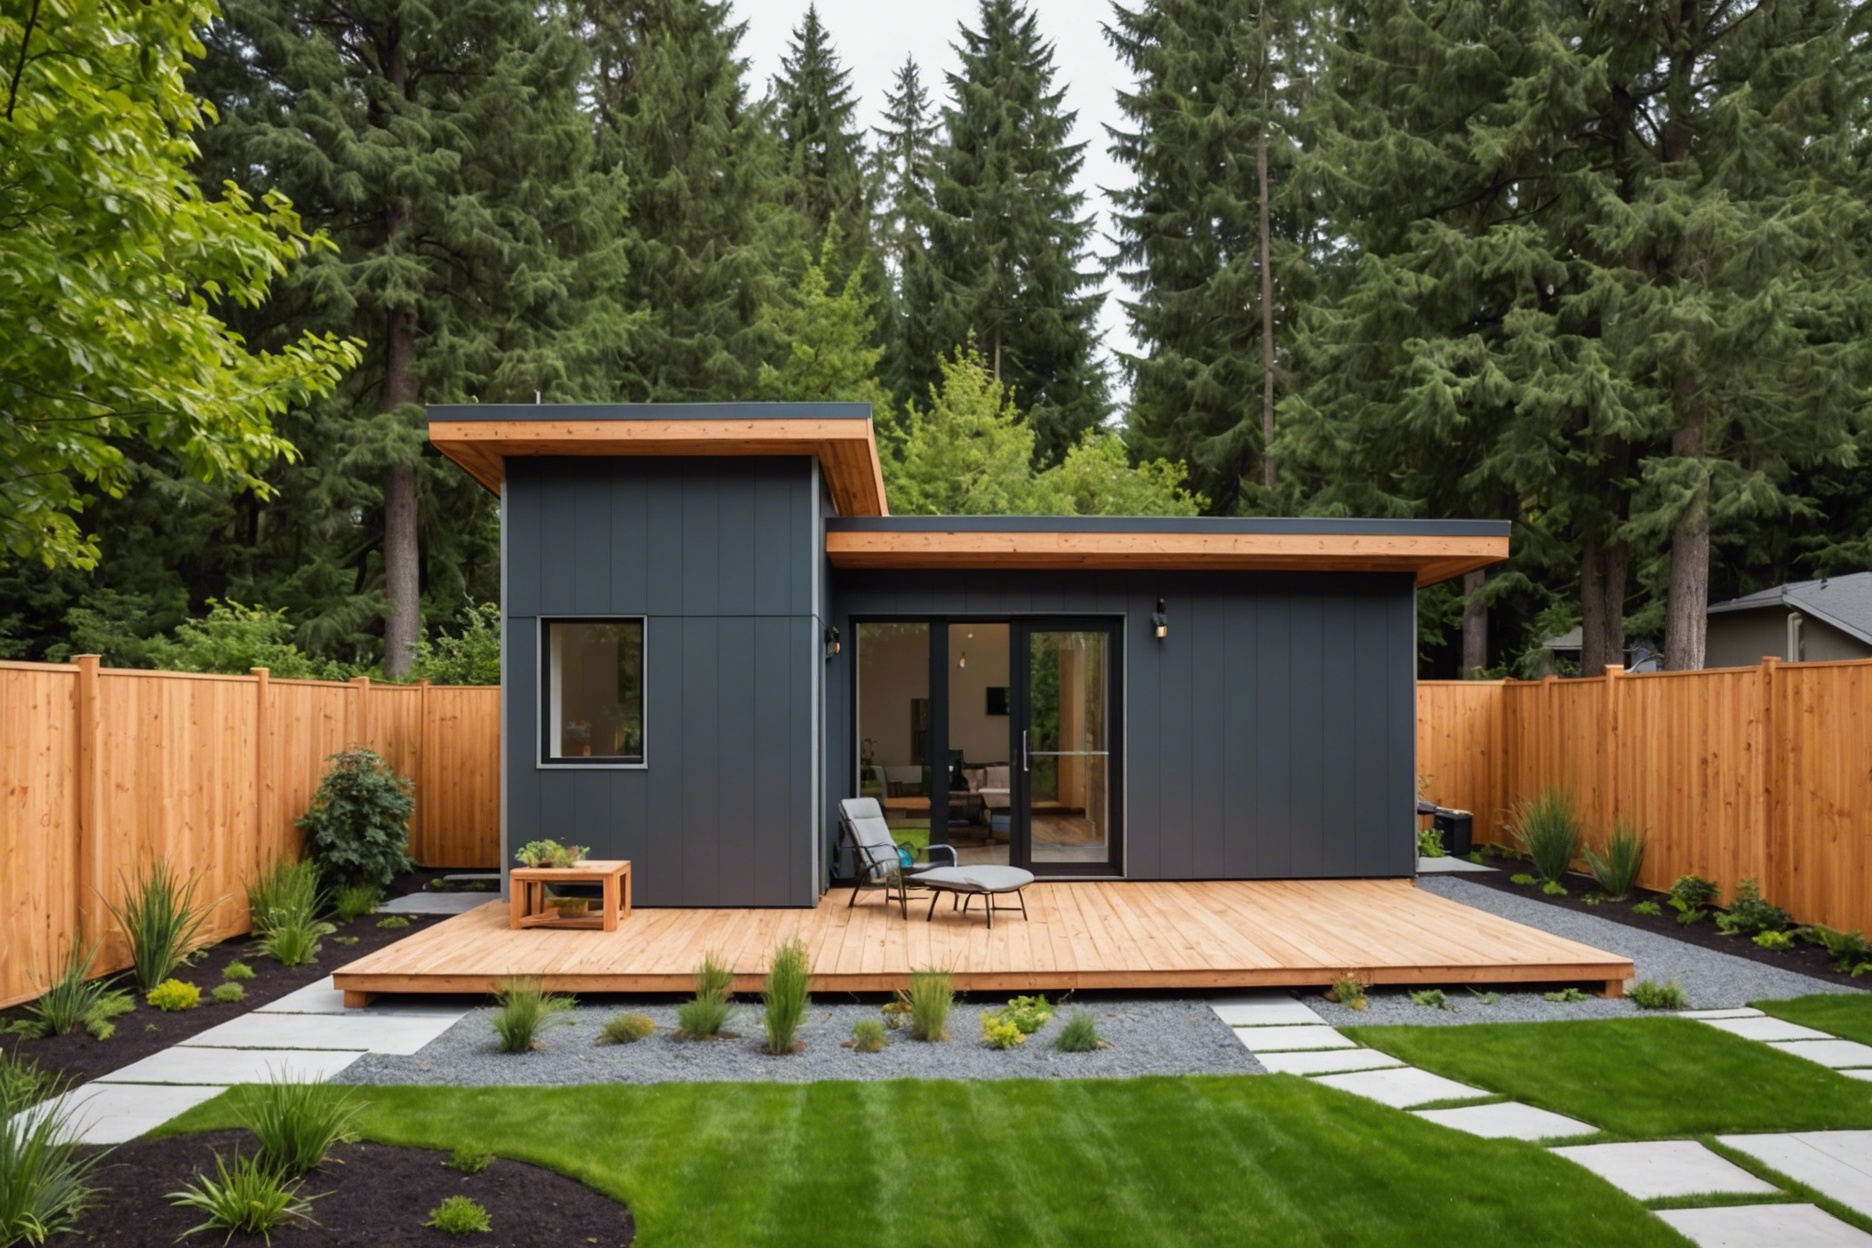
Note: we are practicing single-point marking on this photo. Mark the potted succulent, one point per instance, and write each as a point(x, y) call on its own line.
point(548, 854)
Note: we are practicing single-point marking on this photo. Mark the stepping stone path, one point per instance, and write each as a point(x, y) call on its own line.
point(1287, 1037)
point(307, 1034)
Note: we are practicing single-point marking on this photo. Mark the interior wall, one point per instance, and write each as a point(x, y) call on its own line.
point(893, 672)
point(981, 737)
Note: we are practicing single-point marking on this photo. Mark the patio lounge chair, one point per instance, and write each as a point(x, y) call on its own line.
point(876, 856)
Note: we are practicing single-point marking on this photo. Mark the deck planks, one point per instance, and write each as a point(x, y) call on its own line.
point(1136, 935)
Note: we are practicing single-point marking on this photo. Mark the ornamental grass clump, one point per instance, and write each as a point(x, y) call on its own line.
point(73, 1000)
point(297, 1122)
point(789, 979)
point(1650, 995)
point(251, 1197)
point(626, 1029)
point(1548, 833)
point(354, 901)
point(357, 830)
point(45, 1177)
point(1617, 872)
point(867, 1036)
point(285, 887)
point(162, 919)
point(295, 939)
point(930, 996)
point(703, 1016)
point(525, 1011)
point(1079, 1034)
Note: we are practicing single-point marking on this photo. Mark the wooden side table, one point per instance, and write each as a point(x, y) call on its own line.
point(527, 896)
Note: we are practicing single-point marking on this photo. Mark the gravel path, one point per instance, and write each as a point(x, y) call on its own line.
point(1149, 1036)
point(1712, 980)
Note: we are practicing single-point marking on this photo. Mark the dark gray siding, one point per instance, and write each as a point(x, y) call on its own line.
point(1271, 735)
point(721, 556)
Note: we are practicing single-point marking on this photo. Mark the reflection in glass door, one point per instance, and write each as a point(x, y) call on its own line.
point(1066, 799)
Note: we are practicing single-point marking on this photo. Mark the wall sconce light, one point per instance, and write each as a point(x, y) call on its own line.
point(831, 642)
point(1160, 622)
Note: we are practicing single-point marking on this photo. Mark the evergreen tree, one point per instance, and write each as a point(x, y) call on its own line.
point(822, 155)
point(674, 123)
point(826, 336)
point(904, 172)
point(1008, 241)
point(1210, 229)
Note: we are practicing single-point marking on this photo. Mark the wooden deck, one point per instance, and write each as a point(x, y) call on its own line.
point(1105, 935)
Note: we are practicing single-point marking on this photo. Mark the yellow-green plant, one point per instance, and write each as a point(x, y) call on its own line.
point(229, 993)
point(867, 1035)
point(174, 994)
point(237, 971)
point(626, 1029)
point(1349, 991)
point(1001, 1032)
point(459, 1215)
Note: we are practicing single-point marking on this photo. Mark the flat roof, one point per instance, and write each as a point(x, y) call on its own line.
point(481, 437)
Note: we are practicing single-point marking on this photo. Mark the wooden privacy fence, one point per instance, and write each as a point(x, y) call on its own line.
point(1759, 772)
point(103, 770)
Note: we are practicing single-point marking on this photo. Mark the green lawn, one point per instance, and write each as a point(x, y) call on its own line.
point(1846, 1015)
point(1196, 1161)
point(1638, 1077)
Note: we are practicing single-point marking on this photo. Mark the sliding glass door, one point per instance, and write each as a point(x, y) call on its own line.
point(1066, 799)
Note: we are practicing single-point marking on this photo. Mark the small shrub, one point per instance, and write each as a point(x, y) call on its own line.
point(72, 1000)
point(237, 972)
point(1486, 998)
point(1548, 832)
point(296, 1122)
point(1348, 991)
point(1566, 996)
point(295, 940)
point(1647, 907)
point(1774, 940)
point(1523, 879)
point(548, 854)
point(345, 940)
point(22, 1082)
point(1845, 948)
point(1693, 890)
point(703, 1016)
point(174, 994)
point(1554, 888)
point(897, 1013)
point(229, 994)
point(357, 830)
point(789, 977)
point(470, 1159)
point(459, 1215)
point(354, 901)
point(1749, 913)
point(162, 919)
point(867, 1035)
point(1430, 843)
point(1594, 898)
point(1000, 1032)
point(45, 1178)
point(1431, 998)
point(1650, 995)
point(1478, 857)
point(626, 1029)
point(931, 996)
point(251, 1198)
point(1029, 1014)
point(1617, 872)
point(1079, 1034)
point(393, 922)
point(1686, 913)
point(525, 1011)
point(286, 886)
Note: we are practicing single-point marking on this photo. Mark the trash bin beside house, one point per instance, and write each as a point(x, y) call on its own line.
point(1457, 828)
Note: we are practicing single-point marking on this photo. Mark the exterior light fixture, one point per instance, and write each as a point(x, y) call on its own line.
point(1160, 622)
point(831, 642)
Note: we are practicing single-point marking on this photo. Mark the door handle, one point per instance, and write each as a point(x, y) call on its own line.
point(1023, 749)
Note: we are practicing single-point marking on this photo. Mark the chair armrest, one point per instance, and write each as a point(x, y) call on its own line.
point(949, 850)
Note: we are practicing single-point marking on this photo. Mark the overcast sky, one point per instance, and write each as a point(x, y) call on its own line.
point(874, 36)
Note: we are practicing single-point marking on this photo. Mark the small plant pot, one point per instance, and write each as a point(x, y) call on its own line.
point(570, 907)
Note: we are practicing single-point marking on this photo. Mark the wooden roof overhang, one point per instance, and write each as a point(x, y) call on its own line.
point(481, 438)
point(1430, 551)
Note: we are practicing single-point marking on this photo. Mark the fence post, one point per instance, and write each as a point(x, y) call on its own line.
point(1609, 742)
point(90, 858)
point(263, 802)
point(360, 713)
point(419, 819)
point(1767, 759)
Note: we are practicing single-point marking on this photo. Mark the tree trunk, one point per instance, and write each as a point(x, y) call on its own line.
point(402, 554)
point(1686, 617)
point(1474, 626)
point(1603, 572)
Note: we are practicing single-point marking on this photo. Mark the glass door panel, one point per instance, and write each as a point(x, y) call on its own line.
point(1067, 750)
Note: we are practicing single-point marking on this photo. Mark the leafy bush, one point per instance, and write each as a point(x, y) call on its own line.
point(1565, 996)
point(237, 971)
point(1523, 879)
point(1647, 907)
point(1749, 913)
point(295, 940)
point(1029, 1014)
point(999, 1031)
point(357, 830)
point(296, 1122)
point(161, 918)
point(1486, 998)
point(1650, 995)
point(229, 993)
point(393, 922)
point(251, 1198)
point(1348, 991)
point(459, 1215)
point(703, 1016)
point(45, 1179)
point(525, 1011)
point(469, 657)
point(1845, 948)
point(1774, 940)
point(868, 1035)
point(354, 901)
point(1431, 998)
point(548, 853)
point(1430, 843)
point(897, 1013)
point(470, 1159)
point(1548, 832)
point(1693, 890)
point(285, 887)
point(72, 1000)
point(174, 994)
point(1080, 1034)
point(1617, 872)
point(234, 639)
point(626, 1029)
point(789, 978)
point(930, 996)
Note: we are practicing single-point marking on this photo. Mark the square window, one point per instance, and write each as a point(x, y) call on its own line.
point(594, 710)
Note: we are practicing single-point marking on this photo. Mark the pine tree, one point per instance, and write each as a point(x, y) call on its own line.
point(1008, 242)
point(904, 172)
point(827, 340)
point(822, 156)
point(1212, 148)
point(675, 125)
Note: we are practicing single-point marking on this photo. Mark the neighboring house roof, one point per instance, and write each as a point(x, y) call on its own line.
point(1845, 602)
point(1573, 639)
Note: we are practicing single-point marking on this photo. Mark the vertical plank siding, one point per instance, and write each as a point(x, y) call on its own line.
point(102, 771)
point(1760, 773)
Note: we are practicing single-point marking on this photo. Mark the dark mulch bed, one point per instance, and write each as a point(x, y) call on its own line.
point(147, 1030)
point(373, 1196)
point(1803, 958)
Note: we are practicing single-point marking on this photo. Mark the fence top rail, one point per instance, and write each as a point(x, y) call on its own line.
point(144, 673)
point(22, 665)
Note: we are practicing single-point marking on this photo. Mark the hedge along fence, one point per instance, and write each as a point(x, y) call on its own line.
point(103, 770)
point(1759, 772)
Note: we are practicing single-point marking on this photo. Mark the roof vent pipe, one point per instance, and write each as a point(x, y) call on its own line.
point(1794, 637)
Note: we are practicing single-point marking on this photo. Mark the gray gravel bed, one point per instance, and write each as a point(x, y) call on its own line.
point(1149, 1036)
point(1711, 980)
